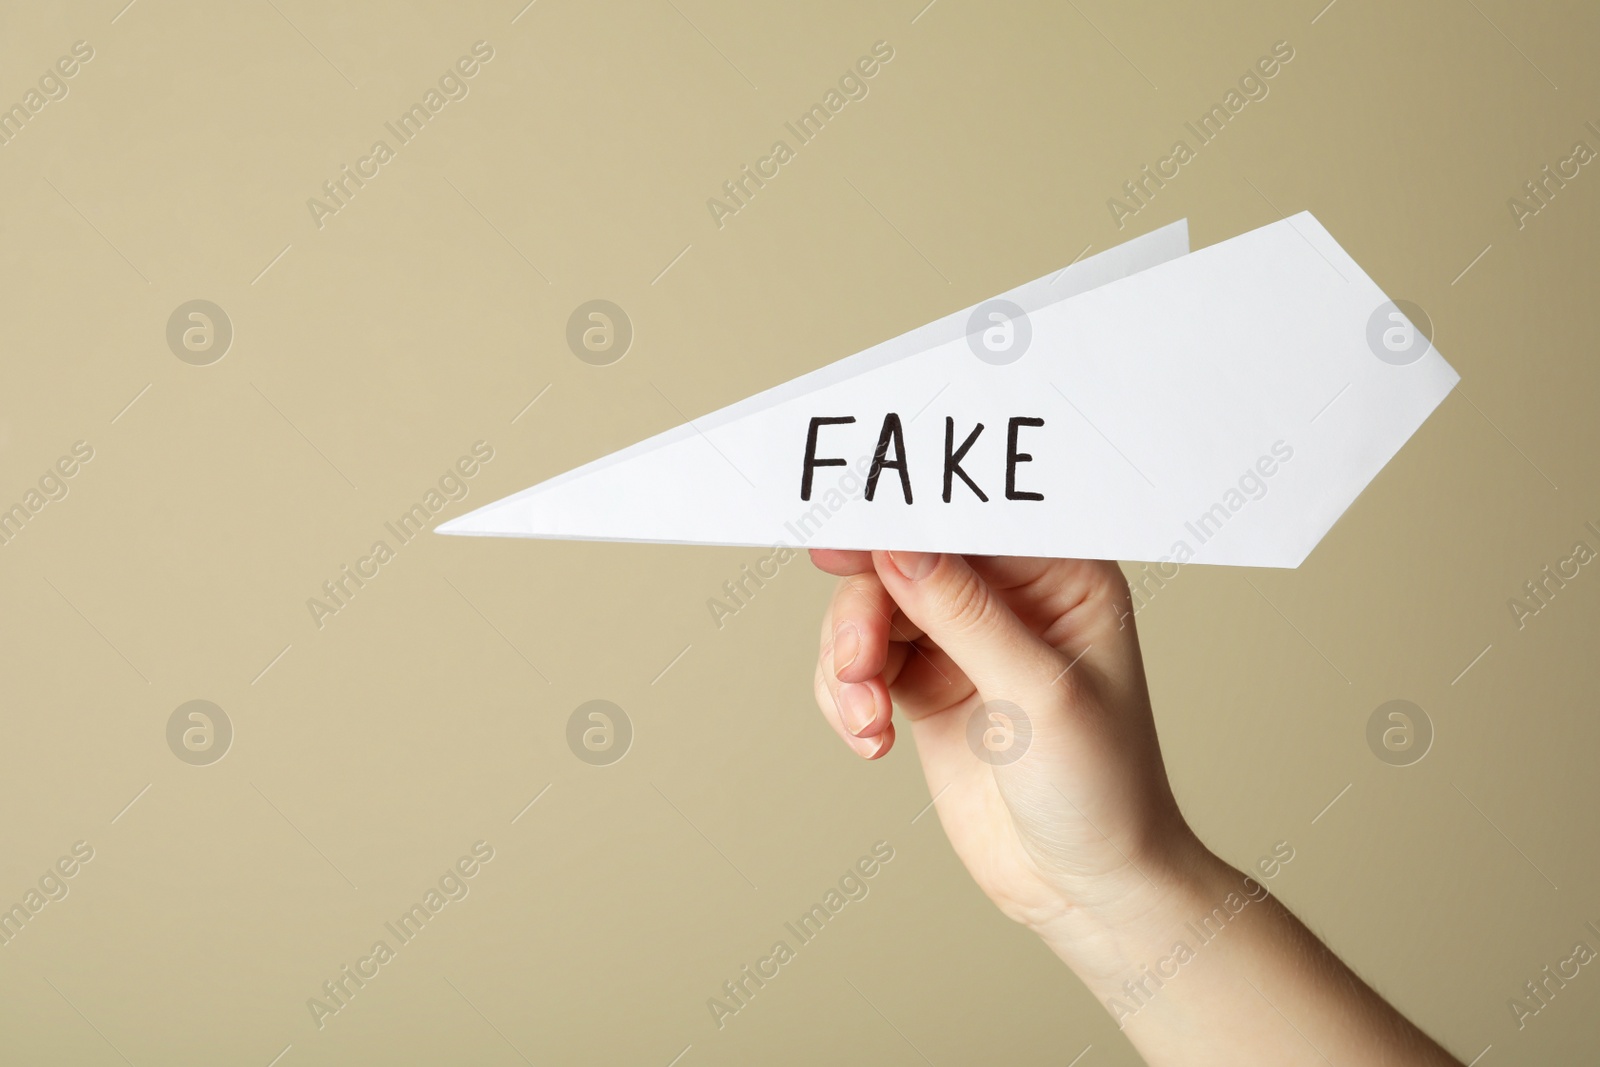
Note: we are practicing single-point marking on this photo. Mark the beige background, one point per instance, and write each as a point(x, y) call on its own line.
point(368, 355)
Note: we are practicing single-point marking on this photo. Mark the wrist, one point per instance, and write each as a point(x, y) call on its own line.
point(1130, 920)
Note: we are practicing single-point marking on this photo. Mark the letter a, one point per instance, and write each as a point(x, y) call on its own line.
point(891, 435)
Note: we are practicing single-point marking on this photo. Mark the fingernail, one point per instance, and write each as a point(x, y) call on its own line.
point(871, 747)
point(914, 566)
point(857, 708)
point(846, 646)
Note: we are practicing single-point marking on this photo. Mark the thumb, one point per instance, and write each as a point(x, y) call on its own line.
point(958, 610)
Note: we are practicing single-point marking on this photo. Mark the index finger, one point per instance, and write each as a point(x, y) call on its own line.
point(840, 562)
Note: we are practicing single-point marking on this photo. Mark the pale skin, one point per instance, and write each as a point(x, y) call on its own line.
point(1081, 839)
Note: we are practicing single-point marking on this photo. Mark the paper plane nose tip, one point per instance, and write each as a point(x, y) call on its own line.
point(484, 521)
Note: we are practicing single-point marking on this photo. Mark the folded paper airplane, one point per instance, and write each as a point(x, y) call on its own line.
point(1149, 403)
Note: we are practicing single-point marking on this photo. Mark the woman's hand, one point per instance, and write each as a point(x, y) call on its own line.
point(1021, 682)
point(1022, 685)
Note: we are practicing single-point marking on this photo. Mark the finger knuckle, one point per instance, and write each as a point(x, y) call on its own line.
point(1111, 577)
point(854, 583)
point(969, 605)
point(820, 690)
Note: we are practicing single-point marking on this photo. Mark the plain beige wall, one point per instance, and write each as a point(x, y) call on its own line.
point(371, 753)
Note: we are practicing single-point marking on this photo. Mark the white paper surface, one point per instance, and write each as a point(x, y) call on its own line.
point(1223, 406)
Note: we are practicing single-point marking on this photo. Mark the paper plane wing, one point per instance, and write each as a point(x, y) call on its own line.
point(1223, 406)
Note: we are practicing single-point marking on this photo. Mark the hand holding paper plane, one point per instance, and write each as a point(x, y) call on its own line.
point(1223, 406)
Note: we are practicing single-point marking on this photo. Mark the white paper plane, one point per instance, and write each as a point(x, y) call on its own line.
point(1149, 403)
